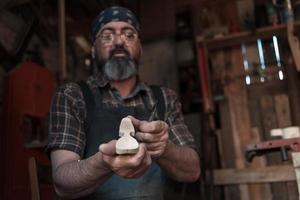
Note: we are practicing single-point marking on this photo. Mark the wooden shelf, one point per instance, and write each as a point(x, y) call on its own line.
point(244, 37)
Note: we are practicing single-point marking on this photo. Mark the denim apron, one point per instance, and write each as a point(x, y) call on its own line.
point(103, 126)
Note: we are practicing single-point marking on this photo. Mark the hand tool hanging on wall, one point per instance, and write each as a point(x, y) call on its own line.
point(280, 145)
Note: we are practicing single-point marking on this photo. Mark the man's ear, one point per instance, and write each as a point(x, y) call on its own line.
point(93, 52)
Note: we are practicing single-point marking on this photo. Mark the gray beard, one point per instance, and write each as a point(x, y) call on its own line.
point(119, 68)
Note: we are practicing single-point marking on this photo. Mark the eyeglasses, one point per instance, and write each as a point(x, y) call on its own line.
point(108, 37)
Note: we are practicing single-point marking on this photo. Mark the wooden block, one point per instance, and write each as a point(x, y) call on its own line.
point(126, 144)
point(270, 174)
point(296, 163)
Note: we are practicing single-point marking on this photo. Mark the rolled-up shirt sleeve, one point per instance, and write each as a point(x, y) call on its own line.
point(66, 120)
point(179, 132)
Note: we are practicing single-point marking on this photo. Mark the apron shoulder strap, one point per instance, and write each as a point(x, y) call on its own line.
point(159, 97)
point(90, 102)
point(87, 94)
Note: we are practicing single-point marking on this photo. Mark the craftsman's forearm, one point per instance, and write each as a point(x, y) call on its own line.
point(181, 163)
point(75, 179)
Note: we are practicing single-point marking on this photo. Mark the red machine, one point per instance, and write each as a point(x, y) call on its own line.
point(29, 89)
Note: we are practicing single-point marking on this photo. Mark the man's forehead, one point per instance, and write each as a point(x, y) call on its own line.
point(116, 26)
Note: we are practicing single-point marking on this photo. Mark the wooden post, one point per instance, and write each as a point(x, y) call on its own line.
point(62, 40)
point(293, 91)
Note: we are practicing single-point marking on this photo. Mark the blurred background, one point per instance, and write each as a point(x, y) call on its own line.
point(233, 63)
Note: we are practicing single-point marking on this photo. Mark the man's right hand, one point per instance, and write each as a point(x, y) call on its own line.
point(127, 166)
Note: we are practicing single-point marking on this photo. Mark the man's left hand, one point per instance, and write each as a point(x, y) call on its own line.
point(154, 134)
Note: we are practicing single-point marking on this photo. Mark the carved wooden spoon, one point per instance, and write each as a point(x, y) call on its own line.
point(126, 144)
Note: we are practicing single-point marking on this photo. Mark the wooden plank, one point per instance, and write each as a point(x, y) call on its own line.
point(293, 92)
point(235, 93)
point(226, 138)
point(227, 150)
point(255, 114)
point(269, 122)
point(259, 162)
point(283, 114)
point(282, 109)
point(239, 114)
point(265, 189)
point(275, 87)
point(245, 36)
point(270, 174)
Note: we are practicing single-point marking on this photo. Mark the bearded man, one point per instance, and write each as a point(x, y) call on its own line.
point(85, 118)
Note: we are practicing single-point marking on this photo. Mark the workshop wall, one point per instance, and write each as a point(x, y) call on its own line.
point(162, 71)
point(258, 87)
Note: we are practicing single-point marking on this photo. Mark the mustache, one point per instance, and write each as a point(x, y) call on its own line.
point(118, 50)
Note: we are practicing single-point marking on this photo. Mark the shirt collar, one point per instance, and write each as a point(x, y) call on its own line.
point(102, 82)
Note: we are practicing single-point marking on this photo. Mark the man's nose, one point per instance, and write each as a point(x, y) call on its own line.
point(118, 39)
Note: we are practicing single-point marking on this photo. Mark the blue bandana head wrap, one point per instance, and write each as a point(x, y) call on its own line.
point(113, 14)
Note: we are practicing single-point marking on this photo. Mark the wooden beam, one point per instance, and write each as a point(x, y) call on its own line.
point(273, 88)
point(203, 3)
point(245, 36)
point(279, 173)
point(293, 91)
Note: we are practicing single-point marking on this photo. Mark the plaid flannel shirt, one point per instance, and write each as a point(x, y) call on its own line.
point(68, 113)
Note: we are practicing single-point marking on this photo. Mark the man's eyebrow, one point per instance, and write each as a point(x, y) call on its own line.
point(107, 28)
point(114, 29)
point(127, 28)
